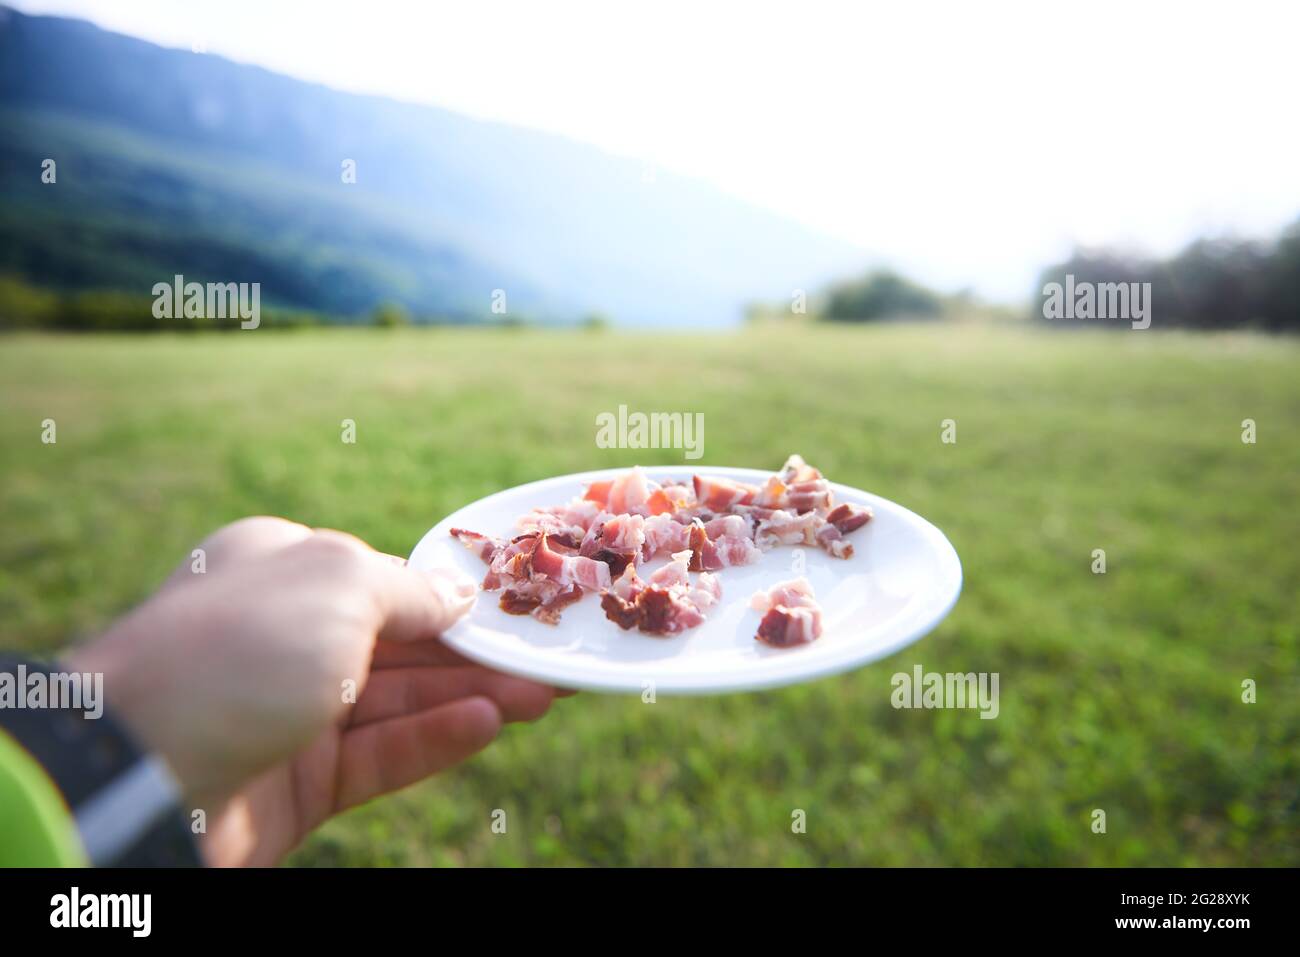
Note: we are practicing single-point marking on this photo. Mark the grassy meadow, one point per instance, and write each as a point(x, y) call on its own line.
point(1119, 691)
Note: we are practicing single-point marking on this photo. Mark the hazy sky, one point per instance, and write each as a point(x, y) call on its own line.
point(969, 143)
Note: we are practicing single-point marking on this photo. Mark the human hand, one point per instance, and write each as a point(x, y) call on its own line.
point(243, 678)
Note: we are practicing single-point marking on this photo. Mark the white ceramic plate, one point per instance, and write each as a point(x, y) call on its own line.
point(903, 578)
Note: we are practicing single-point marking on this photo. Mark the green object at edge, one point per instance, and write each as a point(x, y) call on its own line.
point(36, 827)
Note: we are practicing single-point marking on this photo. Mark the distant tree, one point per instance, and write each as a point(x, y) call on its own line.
point(596, 322)
point(1280, 282)
point(880, 295)
point(26, 307)
point(390, 315)
point(1214, 283)
point(1211, 284)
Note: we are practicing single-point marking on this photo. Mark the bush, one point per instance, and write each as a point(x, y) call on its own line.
point(881, 295)
point(390, 315)
point(25, 307)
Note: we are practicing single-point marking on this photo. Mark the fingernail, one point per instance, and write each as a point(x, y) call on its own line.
point(466, 587)
point(455, 587)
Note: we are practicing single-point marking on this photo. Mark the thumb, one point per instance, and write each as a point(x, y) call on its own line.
point(418, 605)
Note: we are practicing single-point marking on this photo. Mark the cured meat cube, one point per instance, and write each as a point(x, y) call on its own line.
point(809, 496)
point(663, 533)
point(720, 494)
point(786, 528)
point(629, 493)
point(848, 518)
point(624, 533)
point(483, 545)
point(726, 552)
point(784, 627)
point(667, 605)
point(736, 526)
point(598, 492)
point(772, 494)
point(833, 543)
point(791, 615)
point(568, 570)
point(797, 470)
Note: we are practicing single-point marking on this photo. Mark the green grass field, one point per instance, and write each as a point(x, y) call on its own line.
point(1119, 691)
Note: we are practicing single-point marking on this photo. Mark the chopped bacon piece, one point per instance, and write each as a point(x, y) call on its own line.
point(784, 627)
point(571, 520)
point(598, 492)
point(797, 470)
point(772, 494)
point(720, 494)
point(706, 592)
point(548, 562)
point(617, 561)
point(736, 526)
point(538, 572)
point(681, 494)
point(620, 611)
point(753, 513)
point(515, 603)
point(624, 533)
point(595, 546)
point(807, 496)
point(785, 528)
point(664, 612)
point(794, 592)
point(547, 611)
point(569, 569)
point(629, 493)
point(726, 552)
point(593, 541)
point(848, 518)
point(483, 545)
point(667, 605)
point(514, 562)
point(832, 542)
point(791, 615)
point(660, 504)
point(663, 533)
point(487, 548)
point(628, 584)
point(676, 572)
point(521, 597)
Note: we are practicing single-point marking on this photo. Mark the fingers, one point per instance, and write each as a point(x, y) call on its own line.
point(393, 693)
point(410, 654)
point(392, 754)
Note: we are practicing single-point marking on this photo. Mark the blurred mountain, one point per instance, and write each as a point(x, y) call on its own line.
point(170, 161)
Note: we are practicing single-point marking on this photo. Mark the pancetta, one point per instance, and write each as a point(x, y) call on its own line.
point(706, 524)
point(791, 615)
